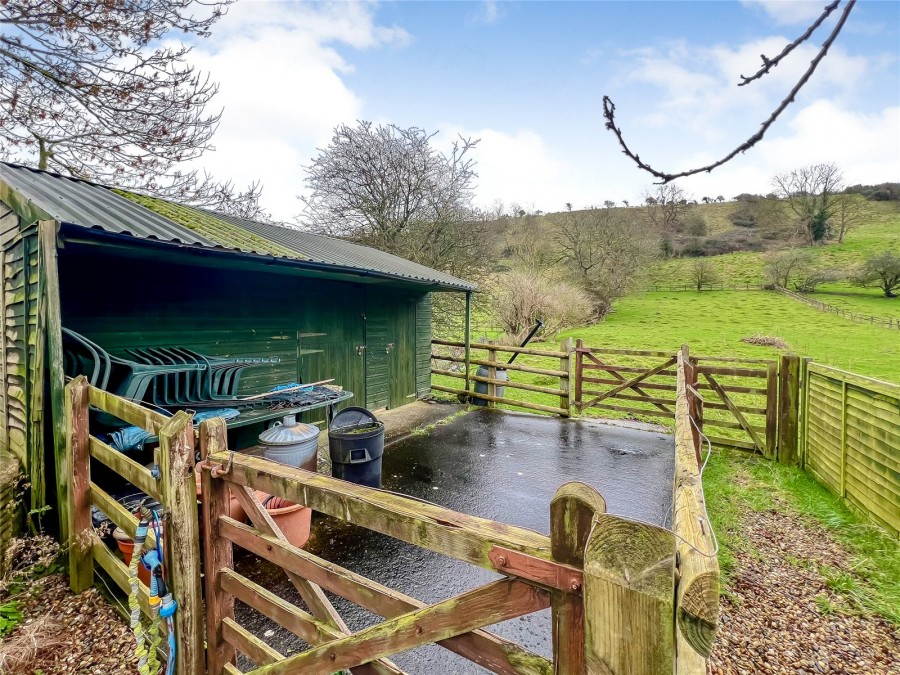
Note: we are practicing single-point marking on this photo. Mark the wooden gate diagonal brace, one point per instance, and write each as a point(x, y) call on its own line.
point(486, 649)
point(745, 425)
point(483, 606)
point(629, 384)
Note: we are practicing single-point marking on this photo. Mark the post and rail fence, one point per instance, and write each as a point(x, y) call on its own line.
point(172, 485)
point(886, 322)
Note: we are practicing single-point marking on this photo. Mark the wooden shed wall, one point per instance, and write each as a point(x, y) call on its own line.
point(314, 326)
point(22, 349)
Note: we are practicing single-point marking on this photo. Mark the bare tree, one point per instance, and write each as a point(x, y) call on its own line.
point(379, 185)
point(530, 249)
point(881, 270)
point(609, 108)
point(605, 251)
point(782, 266)
point(666, 205)
point(703, 273)
point(850, 211)
point(811, 192)
point(83, 92)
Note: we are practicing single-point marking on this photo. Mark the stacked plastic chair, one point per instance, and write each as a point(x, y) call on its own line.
point(163, 376)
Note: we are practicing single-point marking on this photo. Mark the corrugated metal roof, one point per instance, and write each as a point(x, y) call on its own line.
point(85, 204)
point(333, 251)
point(78, 202)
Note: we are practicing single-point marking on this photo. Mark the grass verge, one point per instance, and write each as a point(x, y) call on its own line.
point(735, 483)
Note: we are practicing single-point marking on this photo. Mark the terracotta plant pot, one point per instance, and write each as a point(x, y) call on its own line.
point(235, 510)
point(126, 546)
point(293, 519)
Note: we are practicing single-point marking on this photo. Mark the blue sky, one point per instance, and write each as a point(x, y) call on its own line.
point(528, 79)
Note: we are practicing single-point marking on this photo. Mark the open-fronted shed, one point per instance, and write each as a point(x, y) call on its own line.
point(129, 271)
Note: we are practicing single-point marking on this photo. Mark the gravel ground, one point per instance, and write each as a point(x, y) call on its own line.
point(773, 621)
point(65, 634)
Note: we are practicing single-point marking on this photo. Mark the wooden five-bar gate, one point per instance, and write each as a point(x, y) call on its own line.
point(625, 596)
point(735, 394)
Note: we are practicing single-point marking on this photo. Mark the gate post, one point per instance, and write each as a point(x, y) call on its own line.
point(492, 375)
point(771, 409)
point(565, 383)
point(78, 467)
point(629, 598)
point(579, 373)
point(217, 549)
point(788, 409)
point(182, 540)
point(572, 514)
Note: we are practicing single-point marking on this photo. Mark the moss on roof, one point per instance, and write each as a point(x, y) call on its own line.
point(220, 231)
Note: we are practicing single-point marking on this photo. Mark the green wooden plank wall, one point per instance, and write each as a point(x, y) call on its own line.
point(315, 327)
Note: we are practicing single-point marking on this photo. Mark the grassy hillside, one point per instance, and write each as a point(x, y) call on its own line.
point(880, 233)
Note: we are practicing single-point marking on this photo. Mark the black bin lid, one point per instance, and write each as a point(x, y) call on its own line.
point(352, 417)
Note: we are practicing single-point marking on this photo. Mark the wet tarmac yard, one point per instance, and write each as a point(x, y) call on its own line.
point(498, 465)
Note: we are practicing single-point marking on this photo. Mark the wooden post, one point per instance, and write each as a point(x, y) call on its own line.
point(492, 374)
point(804, 412)
point(467, 339)
point(47, 234)
point(217, 549)
point(572, 514)
point(78, 464)
point(843, 439)
point(579, 373)
point(789, 409)
point(629, 596)
point(565, 383)
point(690, 384)
point(771, 409)
point(182, 539)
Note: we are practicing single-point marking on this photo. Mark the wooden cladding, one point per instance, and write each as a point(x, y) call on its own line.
point(851, 436)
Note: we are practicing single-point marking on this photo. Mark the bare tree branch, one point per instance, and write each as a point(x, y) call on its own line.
point(768, 64)
point(609, 110)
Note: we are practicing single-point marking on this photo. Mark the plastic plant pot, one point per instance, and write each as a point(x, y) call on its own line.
point(235, 510)
point(126, 546)
point(294, 520)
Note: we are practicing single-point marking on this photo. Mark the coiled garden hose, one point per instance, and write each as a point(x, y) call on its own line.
point(140, 649)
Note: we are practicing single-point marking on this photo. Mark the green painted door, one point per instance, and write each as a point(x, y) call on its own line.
point(401, 352)
point(376, 352)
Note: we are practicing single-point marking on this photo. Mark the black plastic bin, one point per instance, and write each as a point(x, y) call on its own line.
point(356, 446)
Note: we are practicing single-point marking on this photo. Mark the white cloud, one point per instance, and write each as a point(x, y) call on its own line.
point(489, 11)
point(790, 11)
point(699, 85)
point(519, 167)
point(865, 146)
point(281, 87)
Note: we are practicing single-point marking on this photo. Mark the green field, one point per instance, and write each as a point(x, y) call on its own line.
point(870, 301)
point(713, 323)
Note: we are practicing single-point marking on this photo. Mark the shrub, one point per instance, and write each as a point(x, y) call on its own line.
point(521, 300)
point(881, 270)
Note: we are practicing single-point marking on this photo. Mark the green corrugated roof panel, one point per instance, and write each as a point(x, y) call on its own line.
point(212, 227)
point(89, 205)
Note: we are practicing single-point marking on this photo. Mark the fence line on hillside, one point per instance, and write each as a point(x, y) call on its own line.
point(847, 314)
point(707, 287)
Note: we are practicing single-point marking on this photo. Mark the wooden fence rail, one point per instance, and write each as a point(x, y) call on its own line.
point(886, 322)
point(850, 431)
point(174, 488)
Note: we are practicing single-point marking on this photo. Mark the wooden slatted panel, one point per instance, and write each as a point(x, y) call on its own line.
point(423, 345)
point(21, 368)
point(852, 441)
point(823, 456)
